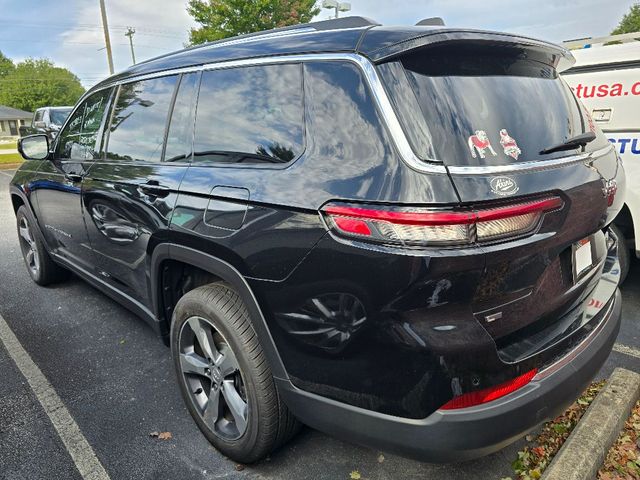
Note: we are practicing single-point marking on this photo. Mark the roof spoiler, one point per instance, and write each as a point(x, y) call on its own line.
point(431, 22)
point(561, 57)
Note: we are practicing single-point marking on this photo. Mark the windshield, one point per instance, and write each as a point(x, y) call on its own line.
point(59, 115)
point(481, 105)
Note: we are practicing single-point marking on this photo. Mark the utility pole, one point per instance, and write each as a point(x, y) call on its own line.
point(107, 41)
point(130, 32)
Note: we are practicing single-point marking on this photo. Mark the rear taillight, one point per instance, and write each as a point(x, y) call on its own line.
point(488, 394)
point(420, 226)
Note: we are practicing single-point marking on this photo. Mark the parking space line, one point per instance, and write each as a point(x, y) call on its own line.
point(632, 352)
point(76, 444)
point(7, 174)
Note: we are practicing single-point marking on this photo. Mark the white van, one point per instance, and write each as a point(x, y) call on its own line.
point(606, 78)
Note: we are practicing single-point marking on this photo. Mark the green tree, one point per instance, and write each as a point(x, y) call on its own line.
point(227, 18)
point(37, 83)
point(630, 22)
point(6, 65)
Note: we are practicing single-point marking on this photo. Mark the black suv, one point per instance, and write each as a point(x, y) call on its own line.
point(397, 235)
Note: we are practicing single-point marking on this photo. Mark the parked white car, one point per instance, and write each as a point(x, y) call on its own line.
point(606, 78)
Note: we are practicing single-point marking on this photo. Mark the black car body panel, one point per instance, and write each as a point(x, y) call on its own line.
point(176, 172)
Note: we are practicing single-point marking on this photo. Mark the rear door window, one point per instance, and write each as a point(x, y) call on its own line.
point(479, 105)
point(250, 115)
point(180, 135)
point(139, 119)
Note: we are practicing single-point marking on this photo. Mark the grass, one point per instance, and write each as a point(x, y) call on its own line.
point(7, 158)
point(8, 145)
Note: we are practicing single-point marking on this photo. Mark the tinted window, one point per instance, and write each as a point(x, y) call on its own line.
point(139, 119)
point(180, 136)
point(39, 115)
point(484, 106)
point(79, 139)
point(250, 115)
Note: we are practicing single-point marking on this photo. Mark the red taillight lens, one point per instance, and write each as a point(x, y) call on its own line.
point(432, 227)
point(488, 394)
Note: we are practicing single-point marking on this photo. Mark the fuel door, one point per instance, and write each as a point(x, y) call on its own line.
point(226, 211)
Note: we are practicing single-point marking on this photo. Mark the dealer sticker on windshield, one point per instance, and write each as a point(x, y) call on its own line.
point(582, 257)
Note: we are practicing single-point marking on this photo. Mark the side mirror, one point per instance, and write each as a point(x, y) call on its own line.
point(34, 147)
point(41, 125)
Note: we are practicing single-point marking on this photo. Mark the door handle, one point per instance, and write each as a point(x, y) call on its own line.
point(73, 177)
point(155, 189)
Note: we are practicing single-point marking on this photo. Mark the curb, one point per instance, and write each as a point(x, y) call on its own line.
point(584, 452)
point(9, 166)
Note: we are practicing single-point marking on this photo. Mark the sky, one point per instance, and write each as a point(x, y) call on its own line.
point(69, 32)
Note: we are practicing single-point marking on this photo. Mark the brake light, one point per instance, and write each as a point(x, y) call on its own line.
point(488, 394)
point(420, 226)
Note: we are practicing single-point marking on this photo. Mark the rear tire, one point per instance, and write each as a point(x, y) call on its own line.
point(42, 269)
point(624, 256)
point(222, 368)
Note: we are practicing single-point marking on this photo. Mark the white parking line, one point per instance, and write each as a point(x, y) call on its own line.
point(632, 352)
point(7, 174)
point(81, 452)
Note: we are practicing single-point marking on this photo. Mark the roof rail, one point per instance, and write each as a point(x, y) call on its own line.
point(334, 24)
point(431, 22)
point(589, 41)
point(343, 22)
point(324, 25)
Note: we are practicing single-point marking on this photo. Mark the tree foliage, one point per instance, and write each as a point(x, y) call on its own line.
point(37, 83)
point(227, 18)
point(6, 65)
point(630, 22)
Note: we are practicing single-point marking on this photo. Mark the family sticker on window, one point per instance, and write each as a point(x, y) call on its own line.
point(479, 143)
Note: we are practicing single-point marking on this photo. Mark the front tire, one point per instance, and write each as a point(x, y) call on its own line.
point(42, 269)
point(224, 376)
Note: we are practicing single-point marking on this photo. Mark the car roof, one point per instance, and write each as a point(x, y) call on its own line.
point(343, 35)
point(607, 54)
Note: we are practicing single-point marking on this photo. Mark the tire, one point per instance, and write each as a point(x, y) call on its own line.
point(42, 269)
point(236, 368)
point(624, 256)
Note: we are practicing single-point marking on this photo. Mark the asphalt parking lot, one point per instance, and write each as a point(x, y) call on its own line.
point(115, 378)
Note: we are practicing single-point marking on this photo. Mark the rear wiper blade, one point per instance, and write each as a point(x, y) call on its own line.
point(574, 142)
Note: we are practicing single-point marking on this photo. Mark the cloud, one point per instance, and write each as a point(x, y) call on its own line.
point(159, 29)
point(70, 32)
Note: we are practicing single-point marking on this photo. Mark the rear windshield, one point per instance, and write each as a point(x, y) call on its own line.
point(479, 105)
point(59, 115)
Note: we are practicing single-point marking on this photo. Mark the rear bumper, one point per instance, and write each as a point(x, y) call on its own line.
point(458, 435)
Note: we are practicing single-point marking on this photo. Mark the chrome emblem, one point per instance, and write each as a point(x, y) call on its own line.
point(503, 186)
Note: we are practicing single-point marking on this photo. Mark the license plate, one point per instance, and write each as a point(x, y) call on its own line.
point(582, 257)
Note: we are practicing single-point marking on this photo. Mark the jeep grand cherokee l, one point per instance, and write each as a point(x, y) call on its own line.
point(397, 235)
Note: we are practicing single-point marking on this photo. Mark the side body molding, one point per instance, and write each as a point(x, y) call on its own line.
point(228, 273)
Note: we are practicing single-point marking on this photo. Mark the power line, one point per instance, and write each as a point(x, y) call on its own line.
point(151, 31)
point(82, 43)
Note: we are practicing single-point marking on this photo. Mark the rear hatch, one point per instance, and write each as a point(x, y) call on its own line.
point(487, 108)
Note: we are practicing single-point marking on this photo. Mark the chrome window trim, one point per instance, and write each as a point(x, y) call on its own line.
point(384, 107)
point(531, 166)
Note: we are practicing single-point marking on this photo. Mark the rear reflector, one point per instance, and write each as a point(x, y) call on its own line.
point(419, 226)
point(488, 394)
